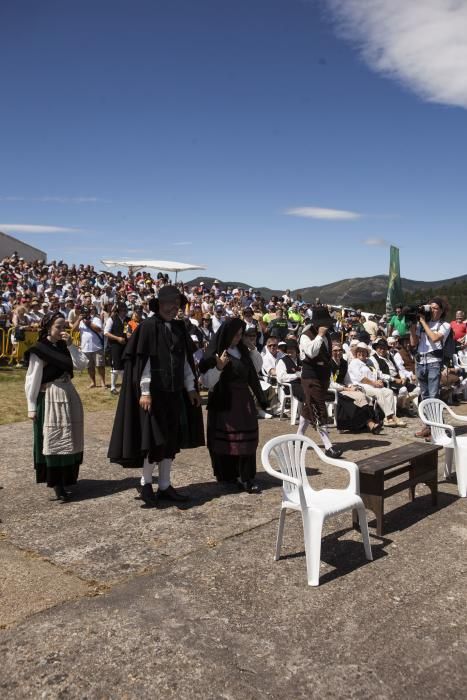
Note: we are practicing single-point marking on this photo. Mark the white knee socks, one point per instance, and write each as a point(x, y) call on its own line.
point(322, 430)
point(114, 376)
point(324, 435)
point(148, 468)
point(164, 473)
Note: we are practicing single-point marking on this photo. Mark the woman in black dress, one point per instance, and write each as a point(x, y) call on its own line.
point(54, 406)
point(232, 433)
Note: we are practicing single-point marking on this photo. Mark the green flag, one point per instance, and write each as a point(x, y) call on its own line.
point(395, 295)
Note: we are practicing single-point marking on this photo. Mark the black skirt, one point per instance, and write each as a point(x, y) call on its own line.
point(351, 417)
point(232, 437)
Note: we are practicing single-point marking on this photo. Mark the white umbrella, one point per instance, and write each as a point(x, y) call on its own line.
point(165, 265)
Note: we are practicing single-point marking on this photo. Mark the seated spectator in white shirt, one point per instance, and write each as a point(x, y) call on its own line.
point(271, 354)
point(349, 354)
point(367, 378)
point(288, 369)
point(405, 390)
point(394, 351)
point(249, 339)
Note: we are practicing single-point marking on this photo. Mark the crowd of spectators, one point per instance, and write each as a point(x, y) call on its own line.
point(96, 303)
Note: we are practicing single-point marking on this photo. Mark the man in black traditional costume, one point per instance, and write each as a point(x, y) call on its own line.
point(159, 408)
point(315, 354)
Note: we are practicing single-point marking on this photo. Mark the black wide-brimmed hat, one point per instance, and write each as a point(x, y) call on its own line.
point(320, 316)
point(170, 292)
point(291, 344)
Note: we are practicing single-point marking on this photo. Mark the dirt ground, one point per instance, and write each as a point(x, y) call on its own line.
point(103, 598)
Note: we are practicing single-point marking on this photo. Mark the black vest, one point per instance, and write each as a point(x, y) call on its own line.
point(290, 365)
point(339, 371)
point(318, 367)
point(117, 329)
point(384, 365)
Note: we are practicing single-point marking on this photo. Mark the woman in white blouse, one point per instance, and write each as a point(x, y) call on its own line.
point(54, 406)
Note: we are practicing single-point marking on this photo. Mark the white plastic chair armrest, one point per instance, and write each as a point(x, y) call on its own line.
point(281, 476)
point(461, 419)
point(350, 467)
point(444, 426)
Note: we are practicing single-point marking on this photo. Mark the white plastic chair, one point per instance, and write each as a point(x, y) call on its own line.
point(331, 408)
point(295, 404)
point(460, 360)
point(315, 506)
point(455, 447)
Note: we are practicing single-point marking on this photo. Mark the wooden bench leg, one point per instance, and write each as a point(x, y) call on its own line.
point(375, 503)
point(379, 512)
point(433, 486)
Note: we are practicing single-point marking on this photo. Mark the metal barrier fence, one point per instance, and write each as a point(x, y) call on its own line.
point(12, 351)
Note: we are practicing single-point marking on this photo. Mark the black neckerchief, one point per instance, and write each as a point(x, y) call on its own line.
point(56, 356)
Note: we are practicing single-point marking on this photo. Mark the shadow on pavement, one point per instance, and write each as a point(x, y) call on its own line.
point(87, 489)
point(345, 556)
point(367, 444)
point(413, 511)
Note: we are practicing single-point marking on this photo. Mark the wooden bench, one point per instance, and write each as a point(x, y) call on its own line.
point(419, 461)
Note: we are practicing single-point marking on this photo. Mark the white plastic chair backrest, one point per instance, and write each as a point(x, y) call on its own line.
point(290, 453)
point(431, 411)
point(290, 456)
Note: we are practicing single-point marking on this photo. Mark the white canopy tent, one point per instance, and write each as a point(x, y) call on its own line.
point(162, 265)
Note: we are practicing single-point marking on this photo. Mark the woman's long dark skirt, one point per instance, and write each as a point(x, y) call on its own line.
point(232, 437)
point(352, 417)
point(52, 469)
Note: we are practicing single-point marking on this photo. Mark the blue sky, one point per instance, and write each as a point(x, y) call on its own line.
point(279, 142)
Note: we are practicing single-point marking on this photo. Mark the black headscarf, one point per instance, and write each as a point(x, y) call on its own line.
point(47, 322)
point(221, 341)
point(56, 356)
point(220, 397)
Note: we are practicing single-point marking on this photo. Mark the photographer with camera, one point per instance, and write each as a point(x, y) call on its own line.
point(92, 342)
point(427, 338)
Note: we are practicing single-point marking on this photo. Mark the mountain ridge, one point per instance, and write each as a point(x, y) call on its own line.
point(346, 292)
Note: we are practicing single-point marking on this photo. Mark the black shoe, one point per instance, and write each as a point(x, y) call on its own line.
point(334, 453)
point(249, 486)
point(61, 493)
point(169, 494)
point(148, 496)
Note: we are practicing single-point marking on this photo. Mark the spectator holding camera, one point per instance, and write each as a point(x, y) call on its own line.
point(428, 336)
point(92, 343)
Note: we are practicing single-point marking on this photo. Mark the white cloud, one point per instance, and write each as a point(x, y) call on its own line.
point(36, 228)
point(319, 213)
point(183, 243)
point(56, 200)
point(421, 43)
point(70, 200)
point(381, 242)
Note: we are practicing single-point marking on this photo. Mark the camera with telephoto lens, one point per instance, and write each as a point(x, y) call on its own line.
point(414, 312)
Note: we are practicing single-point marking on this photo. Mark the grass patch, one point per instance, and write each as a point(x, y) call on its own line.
point(13, 407)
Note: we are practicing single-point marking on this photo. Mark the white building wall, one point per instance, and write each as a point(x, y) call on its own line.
point(8, 245)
